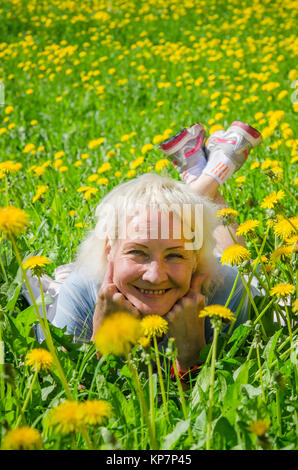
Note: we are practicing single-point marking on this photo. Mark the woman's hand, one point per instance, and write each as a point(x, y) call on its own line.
point(110, 300)
point(185, 326)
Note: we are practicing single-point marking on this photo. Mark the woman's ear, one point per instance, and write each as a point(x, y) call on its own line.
point(108, 248)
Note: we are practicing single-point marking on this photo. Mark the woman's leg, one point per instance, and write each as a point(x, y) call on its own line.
point(207, 186)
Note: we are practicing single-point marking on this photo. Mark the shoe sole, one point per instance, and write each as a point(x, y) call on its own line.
point(253, 136)
point(175, 143)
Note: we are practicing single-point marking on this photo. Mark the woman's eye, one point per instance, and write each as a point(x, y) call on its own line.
point(136, 252)
point(175, 255)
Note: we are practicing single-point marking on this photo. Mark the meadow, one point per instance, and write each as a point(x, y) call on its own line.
point(87, 92)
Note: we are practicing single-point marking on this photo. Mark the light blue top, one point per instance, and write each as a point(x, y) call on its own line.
point(77, 299)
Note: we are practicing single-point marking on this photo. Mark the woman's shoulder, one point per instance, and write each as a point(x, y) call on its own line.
point(223, 282)
point(79, 284)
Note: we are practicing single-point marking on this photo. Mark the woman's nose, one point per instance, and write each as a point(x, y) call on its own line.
point(155, 273)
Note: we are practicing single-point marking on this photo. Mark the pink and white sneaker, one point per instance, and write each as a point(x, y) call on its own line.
point(186, 151)
point(228, 150)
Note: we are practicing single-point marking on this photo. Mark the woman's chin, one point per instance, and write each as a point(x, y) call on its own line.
point(146, 310)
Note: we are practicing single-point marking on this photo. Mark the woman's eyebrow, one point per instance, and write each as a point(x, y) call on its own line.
point(136, 243)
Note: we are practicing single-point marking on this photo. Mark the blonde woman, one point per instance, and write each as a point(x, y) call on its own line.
point(155, 246)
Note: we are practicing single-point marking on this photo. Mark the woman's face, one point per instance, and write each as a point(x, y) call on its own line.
point(152, 273)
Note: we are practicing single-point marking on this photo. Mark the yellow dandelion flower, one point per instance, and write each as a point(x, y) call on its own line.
point(95, 412)
point(39, 359)
point(106, 166)
point(282, 290)
point(285, 228)
point(118, 333)
point(8, 109)
point(10, 167)
point(247, 226)
point(157, 139)
point(63, 169)
point(161, 164)
point(259, 427)
point(28, 148)
point(295, 306)
point(90, 192)
point(254, 165)
point(59, 154)
point(272, 199)
point(102, 181)
point(41, 189)
point(137, 162)
point(144, 341)
point(218, 311)
point(118, 174)
point(96, 142)
point(146, 148)
point(39, 170)
point(13, 221)
point(235, 254)
point(292, 241)
point(23, 438)
point(226, 212)
point(154, 325)
point(36, 262)
point(92, 178)
point(240, 180)
point(130, 173)
point(67, 417)
point(281, 254)
point(58, 163)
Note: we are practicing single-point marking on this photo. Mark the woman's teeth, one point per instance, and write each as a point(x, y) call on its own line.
point(154, 292)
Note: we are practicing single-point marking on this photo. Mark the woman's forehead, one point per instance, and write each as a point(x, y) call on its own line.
point(156, 225)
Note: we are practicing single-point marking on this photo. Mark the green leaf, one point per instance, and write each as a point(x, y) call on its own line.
point(171, 439)
point(269, 351)
point(224, 434)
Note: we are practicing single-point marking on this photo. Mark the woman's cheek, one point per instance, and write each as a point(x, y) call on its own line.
point(126, 272)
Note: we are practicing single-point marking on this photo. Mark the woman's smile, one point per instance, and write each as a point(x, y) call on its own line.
point(152, 293)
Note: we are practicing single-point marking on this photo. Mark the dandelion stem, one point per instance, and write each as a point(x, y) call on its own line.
point(47, 333)
point(287, 191)
point(3, 270)
point(278, 413)
point(212, 374)
point(182, 399)
point(142, 400)
point(263, 311)
point(261, 374)
point(27, 398)
point(151, 395)
point(162, 388)
point(2, 381)
point(289, 324)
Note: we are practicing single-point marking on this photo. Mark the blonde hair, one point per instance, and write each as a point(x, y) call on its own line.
point(152, 191)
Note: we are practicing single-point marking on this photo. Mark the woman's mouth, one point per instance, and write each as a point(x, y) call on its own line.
point(152, 292)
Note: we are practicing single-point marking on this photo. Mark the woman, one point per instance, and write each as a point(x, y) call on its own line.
point(156, 244)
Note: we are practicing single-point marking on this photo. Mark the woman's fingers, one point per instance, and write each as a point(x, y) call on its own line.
point(123, 304)
point(108, 278)
point(197, 281)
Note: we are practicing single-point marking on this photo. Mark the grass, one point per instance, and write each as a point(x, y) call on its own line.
point(103, 83)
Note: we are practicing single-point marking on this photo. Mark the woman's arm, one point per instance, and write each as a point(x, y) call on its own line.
point(207, 186)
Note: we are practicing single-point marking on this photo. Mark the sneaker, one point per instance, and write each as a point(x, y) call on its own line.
point(228, 150)
point(186, 151)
